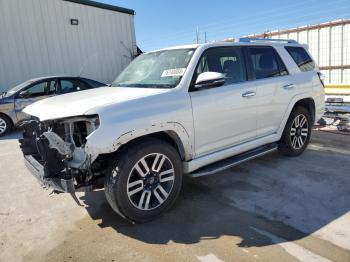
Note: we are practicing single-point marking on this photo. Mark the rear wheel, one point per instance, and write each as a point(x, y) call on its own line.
point(144, 180)
point(5, 125)
point(297, 133)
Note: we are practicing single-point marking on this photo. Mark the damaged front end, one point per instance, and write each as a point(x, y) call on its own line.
point(54, 152)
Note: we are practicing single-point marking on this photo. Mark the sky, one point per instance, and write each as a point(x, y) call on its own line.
point(167, 23)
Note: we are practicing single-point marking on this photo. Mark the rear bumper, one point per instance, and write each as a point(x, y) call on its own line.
point(58, 184)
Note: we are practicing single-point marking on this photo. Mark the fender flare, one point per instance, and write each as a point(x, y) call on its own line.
point(172, 128)
point(290, 107)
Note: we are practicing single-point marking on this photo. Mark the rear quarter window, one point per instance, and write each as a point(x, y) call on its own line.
point(301, 58)
point(94, 83)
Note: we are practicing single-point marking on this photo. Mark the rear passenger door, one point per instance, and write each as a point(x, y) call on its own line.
point(275, 88)
point(223, 116)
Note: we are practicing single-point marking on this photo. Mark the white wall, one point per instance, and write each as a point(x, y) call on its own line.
point(37, 39)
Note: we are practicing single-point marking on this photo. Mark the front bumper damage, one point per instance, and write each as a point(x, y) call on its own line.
point(54, 153)
point(57, 184)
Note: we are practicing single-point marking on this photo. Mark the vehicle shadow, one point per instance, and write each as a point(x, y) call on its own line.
point(287, 197)
point(15, 134)
point(197, 215)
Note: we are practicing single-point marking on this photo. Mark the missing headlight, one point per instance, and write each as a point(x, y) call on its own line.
point(79, 128)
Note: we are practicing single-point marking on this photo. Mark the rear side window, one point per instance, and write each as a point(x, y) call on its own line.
point(301, 58)
point(266, 62)
point(94, 83)
point(72, 85)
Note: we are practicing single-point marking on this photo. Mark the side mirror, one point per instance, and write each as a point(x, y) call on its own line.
point(209, 79)
point(24, 94)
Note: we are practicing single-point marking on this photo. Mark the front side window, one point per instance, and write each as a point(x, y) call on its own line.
point(301, 58)
point(266, 62)
point(37, 90)
point(162, 69)
point(226, 60)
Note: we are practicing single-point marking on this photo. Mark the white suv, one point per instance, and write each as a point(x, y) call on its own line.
point(192, 110)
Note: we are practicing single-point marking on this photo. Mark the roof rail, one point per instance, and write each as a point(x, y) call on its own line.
point(248, 40)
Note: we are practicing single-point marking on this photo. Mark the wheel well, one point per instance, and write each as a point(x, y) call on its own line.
point(169, 136)
point(309, 104)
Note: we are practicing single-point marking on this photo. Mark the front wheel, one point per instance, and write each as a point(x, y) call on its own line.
point(297, 133)
point(144, 180)
point(5, 125)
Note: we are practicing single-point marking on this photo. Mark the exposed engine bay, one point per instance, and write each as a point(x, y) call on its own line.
point(55, 149)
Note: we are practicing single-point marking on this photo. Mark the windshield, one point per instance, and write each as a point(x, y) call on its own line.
point(162, 69)
point(16, 89)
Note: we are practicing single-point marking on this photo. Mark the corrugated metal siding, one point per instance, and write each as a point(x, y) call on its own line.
point(328, 44)
point(37, 39)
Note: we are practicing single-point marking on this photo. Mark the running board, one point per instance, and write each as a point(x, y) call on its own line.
point(233, 161)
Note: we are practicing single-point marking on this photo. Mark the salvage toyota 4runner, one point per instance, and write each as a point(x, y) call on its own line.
point(193, 110)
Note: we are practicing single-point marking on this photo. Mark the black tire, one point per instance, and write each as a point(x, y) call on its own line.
point(288, 146)
point(122, 171)
point(6, 123)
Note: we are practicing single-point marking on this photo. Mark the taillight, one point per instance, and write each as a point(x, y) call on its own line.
point(322, 77)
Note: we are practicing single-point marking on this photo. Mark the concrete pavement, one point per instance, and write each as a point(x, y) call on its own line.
point(269, 209)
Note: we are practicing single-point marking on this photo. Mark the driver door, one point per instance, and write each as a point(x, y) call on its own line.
point(33, 93)
point(223, 116)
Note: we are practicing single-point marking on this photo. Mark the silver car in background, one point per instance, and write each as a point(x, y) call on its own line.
point(16, 99)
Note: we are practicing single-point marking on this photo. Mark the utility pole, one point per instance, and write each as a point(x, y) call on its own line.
point(197, 36)
point(205, 37)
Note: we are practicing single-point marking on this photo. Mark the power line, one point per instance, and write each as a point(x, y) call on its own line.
point(223, 23)
point(230, 29)
point(289, 19)
point(272, 11)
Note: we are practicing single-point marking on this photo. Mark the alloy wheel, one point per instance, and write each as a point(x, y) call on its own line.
point(299, 131)
point(150, 181)
point(3, 126)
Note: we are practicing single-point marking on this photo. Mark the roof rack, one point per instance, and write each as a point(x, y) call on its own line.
point(248, 40)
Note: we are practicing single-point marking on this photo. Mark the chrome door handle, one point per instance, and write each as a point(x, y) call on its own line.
point(289, 86)
point(248, 94)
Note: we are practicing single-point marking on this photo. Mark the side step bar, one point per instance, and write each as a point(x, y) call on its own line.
point(233, 161)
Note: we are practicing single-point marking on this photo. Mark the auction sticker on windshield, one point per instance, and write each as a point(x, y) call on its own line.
point(173, 72)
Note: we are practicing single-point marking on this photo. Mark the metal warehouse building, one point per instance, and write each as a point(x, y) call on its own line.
point(63, 37)
point(329, 43)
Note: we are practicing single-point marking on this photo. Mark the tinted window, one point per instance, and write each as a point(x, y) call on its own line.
point(266, 62)
point(226, 60)
point(80, 85)
point(71, 85)
point(37, 89)
point(93, 83)
point(301, 58)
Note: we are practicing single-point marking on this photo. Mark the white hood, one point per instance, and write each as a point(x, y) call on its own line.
point(78, 103)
